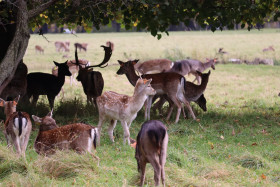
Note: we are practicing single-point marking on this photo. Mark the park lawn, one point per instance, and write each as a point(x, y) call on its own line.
point(235, 143)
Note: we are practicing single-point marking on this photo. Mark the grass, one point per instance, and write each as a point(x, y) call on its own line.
point(235, 143)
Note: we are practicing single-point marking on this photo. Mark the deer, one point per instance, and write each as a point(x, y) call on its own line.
point(61, 46)
point(92, 81)
point(270, 48)
point(191, 66)
point(47, 84)
point(171, 84)
point(114, 106)
point(154, 66)
point(151, 147)
point(17, 127)
point(79, 137)
point(81, 46)
point(39, 49)
point(18, 84)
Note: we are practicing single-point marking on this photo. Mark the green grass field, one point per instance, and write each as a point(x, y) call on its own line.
point(235, 143)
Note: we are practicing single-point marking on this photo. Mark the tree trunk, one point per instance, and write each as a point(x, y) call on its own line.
point(17, 46)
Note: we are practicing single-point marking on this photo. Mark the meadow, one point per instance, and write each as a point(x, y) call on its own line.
point(235, 143)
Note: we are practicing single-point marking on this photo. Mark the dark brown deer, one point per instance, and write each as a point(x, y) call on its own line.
point(113, 106)
point(154, 66)
point(17, 126)
point(92, 81)
point(47, 84)
point(151, 147)
point(81, 46)
point(78, 137)
point(190, 66)
point(171, 84)
point(18, 84)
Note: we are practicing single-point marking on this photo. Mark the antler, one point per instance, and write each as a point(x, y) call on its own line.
point(108, 54)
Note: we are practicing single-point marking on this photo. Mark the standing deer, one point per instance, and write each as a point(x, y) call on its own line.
point(114, 106)
point(61, 46)
point(92, 81)
point(171, 84)
point(154, 66)
point(81, 46)
point(151, 147)
point(78, 137)
point(47, 84)
point(17, 126)
point(190, 66)
point(18, 84)
point(39, 49)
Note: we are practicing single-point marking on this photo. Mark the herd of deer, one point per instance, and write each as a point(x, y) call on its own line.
point(166, 83)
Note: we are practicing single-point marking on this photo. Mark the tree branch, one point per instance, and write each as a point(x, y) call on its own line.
point(34, 12)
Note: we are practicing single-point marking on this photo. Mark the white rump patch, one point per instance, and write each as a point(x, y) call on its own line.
point(171, 65)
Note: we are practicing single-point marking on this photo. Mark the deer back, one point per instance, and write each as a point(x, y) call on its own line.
point(154, 66)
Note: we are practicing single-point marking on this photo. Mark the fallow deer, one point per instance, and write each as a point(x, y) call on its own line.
point(39, 49)
point(78, 137)
point(92, 81)
point(270, 48)
point(151, 147)
point(18, 84)
point(61, 46)
point(47, 84)
point(17, 126)
point(81, 46)
point(171, 84)
point(154, 66)
point(113, 106)
point(190, 66)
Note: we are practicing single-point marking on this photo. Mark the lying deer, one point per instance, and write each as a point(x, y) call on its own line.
point(92, 81)
point(171, 84)
point(78, 137)
point(17, 126)
point(151, 147)
point(114, 106)
point(81, 46)
point(18, 84)
point(270, 48)
point(154, 66)
point(39, 49)
point(190, 66)
point(47, 84)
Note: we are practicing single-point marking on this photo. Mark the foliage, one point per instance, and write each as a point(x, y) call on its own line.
point(152, 15)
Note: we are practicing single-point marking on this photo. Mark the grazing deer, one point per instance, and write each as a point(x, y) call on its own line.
point(17, 126)
point(114, 106)
point(47, 84)
point(78, 137)
point(18, 84)
point(39, 49)
point(61, 46)
point(81, 46)
point(270, 48)
point(92, 81)
point(154, 66)
point(151, 147)
point(171, 84)
point(190, 66)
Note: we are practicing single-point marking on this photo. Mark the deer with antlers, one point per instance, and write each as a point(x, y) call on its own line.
point(17, 126)
point(92, 81)
point(170, 84)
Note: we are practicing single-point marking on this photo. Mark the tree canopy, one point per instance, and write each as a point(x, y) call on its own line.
point(154, 16)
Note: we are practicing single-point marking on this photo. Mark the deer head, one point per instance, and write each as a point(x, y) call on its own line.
point(10, 106)
point(212, 61)
point(126, 67)
point(46, 123)
point(63, 68)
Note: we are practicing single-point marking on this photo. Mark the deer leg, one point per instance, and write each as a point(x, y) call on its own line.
point(126, 132)
point(143, 172)
point(35, 99)
point(99, 126)
point(51, 100)
point(171, 106)
point(157, 168)
point(150, 99)
point(111, 129)
point(17, 145)
point(189, 107)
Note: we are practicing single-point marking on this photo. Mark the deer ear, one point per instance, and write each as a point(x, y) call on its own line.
point(37, 119)
point(121, 63)
point(55, 63)
point(199, 73)
point(2, 102)
point(148, 81)
point(215, 60)
point(17, 99)
point(209, 72)
point(50, 113)
point(66, 62)
point(135, 62)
